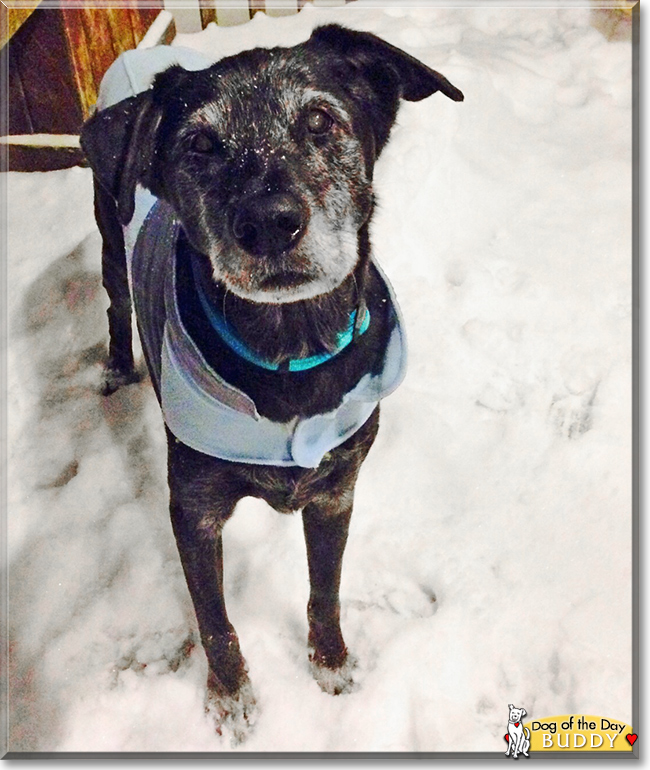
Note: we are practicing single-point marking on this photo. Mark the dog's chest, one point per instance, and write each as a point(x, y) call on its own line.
point(203, 410)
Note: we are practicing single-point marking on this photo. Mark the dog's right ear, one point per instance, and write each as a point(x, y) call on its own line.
point(388, 74)
point(120, 143)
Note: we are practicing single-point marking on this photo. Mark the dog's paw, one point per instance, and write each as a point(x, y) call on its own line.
point(334, 681)
point(115, 378)
point(233, 715)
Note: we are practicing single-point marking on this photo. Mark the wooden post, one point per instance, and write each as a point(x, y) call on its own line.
point(95, 37)
point(281, 7)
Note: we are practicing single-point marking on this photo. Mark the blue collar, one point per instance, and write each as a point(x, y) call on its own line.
point(237, 345)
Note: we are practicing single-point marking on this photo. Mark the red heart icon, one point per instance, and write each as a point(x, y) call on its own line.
point(516, 724)
point(507, 737)
point(631, 738)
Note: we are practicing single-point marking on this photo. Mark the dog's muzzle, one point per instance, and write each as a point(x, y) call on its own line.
point(269, 225)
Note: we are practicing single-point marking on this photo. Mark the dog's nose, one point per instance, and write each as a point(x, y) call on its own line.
point(270, 224)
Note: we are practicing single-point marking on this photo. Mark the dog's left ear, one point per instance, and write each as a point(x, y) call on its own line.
point(524, 712)
point(391, 74)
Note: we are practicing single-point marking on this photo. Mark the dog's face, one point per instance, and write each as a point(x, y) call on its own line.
point(267, 156)
point(268, 167)
point(516, 714)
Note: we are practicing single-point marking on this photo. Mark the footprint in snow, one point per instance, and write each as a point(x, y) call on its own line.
point(572, 414)
point(155, 654)
point(405, 598)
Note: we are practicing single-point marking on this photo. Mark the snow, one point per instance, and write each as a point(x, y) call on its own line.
point(489, 559)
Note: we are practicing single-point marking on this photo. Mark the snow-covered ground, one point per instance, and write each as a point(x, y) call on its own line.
point(489, 559)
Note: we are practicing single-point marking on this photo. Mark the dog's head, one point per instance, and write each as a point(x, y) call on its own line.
point(266, 157)
point(516, 714)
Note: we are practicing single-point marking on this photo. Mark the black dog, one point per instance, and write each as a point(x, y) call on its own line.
point(253, 273)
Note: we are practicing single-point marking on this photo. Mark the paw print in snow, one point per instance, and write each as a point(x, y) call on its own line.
point(572, 414)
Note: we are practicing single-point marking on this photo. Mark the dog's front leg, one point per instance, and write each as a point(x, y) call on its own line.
point(198, 512)
point(326, 532)
point(230, 696)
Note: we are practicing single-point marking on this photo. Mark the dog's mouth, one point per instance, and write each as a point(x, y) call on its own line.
point(321, 261)
point(288, 279)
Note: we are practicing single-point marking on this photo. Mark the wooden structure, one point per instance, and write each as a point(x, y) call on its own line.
point(57, 57)
point(56, 52)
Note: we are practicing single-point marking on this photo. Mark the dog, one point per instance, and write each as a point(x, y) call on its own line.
point(518, 735)
point(269, 333)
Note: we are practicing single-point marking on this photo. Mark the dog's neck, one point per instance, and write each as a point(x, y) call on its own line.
point(292, 330)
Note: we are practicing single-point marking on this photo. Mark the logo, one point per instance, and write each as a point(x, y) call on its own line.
point(518, 736)
point(570, 733)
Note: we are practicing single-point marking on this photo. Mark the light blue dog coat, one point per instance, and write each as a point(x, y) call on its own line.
point(199, 407)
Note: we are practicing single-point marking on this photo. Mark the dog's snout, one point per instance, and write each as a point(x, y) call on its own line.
point(269, 225)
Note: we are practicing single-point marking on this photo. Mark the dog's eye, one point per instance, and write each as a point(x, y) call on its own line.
point(318, 121)
point(202, 143)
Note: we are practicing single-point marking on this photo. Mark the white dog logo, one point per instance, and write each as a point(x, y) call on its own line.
point(518, 736)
